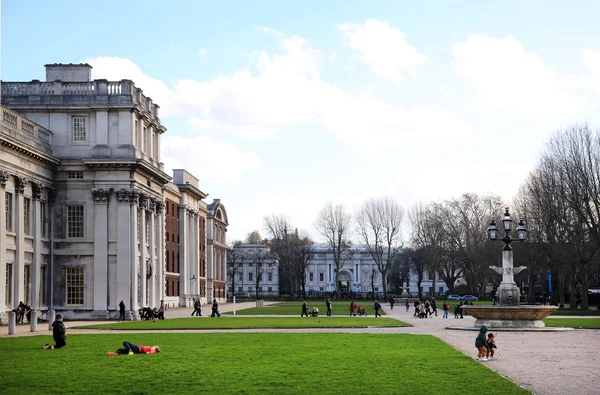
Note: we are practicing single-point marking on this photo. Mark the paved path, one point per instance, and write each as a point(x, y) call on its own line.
point(545, 363)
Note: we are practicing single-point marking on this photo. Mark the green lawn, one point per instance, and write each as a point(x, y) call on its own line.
point(295, 308)
point(253, 323)
point(588, 323)
point(576, 312)
point(246, 363)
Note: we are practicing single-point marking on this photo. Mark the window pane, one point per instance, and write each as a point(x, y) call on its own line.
point(78, 128)
point(27, 216)
point(74, 286)
point(75, 220)
point(8, 209)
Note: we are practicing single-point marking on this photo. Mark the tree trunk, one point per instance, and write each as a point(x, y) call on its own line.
point(384, 285)
point(561, 289)
point(584, 287)
point(572, 293)
point(433, 285)
point(337, 284)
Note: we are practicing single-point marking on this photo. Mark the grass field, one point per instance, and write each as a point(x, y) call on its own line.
point(587, 323)
point(576, 312)
point(246, 363)
point(295, 308)
point(252, 323)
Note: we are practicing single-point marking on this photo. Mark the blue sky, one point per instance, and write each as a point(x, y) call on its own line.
point(308, 102)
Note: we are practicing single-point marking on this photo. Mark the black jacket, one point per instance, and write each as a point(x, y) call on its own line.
point(58, 331)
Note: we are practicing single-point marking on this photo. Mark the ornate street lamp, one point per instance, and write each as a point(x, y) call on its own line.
point(508, 291)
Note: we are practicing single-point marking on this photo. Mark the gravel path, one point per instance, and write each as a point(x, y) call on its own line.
point(542, 362)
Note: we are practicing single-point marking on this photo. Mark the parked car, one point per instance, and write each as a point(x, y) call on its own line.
point(238, 295)
point(453, 297)
point(470, 297)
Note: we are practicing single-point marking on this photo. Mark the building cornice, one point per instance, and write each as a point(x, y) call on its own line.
point(28, 151)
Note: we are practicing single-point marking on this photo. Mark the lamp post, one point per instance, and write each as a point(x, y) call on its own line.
point(508, 292)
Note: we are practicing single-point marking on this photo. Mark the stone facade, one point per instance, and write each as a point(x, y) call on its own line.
point(83, 157)
point(252, 261)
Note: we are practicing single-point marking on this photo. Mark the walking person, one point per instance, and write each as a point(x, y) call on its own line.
point(377, 307)
point(446, 308)
point(416, 304)
point(197, 308)
point(121, 311)
point(434, 306)
point(328, 303)
point(304, 310)
point(407, 305)
point(215, 309)
point(352, 308)
point(392, 301)
point(161, 311)
point(59, 333)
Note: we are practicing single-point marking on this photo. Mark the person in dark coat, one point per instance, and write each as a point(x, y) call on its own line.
point(481, 343)
point(304, 310)
point(328, 303)
point(215, 309)
point(197, 308)
point(377, 307)
point(121, 311)
point(434, 306)
point(59, 333)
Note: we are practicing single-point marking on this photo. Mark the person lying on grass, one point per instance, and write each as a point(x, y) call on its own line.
point(131, 349)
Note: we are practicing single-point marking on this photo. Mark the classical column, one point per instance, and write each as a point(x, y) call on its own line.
point(37, 246)
point(183, 242)
point(125, 245)
point(152, 256)
point(160, 265)
point(196, 253)
point(144, 201)
point(4, 176)
point(19, 270)
point(134, 197)
point(100, 279)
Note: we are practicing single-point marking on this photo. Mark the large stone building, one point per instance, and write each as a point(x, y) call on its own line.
point(358, 274)
point(253, 268)
point(88, 206)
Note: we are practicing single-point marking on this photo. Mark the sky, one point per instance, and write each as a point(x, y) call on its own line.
point(280, 107)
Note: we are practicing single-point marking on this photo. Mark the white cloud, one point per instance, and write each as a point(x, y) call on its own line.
point(384, 47)
point(206, 158)
point(116, 69)
point(283, 89)
point(591, 58)
point(504, 75)
point(173, 47)
point(202, 51)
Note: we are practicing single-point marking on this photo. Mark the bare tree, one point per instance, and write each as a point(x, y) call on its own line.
point(302, 255)
point(235, 263)
point(283, 237)
point(379, 225)
point(258, 266)
point(333, 223)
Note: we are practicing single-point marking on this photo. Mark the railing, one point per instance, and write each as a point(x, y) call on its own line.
point(36, 93)
point(26, 131)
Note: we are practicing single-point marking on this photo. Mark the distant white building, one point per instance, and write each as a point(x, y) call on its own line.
point(253, 267)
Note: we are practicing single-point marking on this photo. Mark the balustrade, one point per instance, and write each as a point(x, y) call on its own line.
point(25, 131)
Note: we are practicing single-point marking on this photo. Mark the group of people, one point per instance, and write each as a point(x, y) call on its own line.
point(485, 344)
point(424, 308)
point(23, 311)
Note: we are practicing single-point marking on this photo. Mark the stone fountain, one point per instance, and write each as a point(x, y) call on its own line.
point(509, 313)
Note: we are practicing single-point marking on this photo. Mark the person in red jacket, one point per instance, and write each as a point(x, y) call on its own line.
point(131, 349)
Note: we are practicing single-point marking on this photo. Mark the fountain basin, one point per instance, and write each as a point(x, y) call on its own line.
point(510, 316)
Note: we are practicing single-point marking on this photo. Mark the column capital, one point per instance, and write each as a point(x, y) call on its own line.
point(101, 195)
point(20, 184)
point(160, 205)
point(4, 176)
point(144, 200)
point(36, 189)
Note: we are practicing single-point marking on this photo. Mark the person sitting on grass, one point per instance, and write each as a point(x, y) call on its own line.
point(59, 333)
point(131, 349)
point(481, 344)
